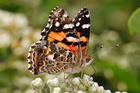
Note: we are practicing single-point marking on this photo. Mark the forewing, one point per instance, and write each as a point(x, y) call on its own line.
point(60, 30)
point(82, 25)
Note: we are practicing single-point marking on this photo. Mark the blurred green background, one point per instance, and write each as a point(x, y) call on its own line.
point(21, 22)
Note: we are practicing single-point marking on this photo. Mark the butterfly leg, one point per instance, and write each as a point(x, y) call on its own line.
point(93, 69)
point(67, 76)
point(82, 70)
point(89, 70)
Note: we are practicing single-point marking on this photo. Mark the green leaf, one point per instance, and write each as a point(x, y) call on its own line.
point(134, 22)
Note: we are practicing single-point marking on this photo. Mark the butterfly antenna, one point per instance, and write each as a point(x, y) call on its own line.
point(104, 50)
point(96, 50)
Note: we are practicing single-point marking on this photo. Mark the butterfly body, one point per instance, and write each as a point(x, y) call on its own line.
point(63, 44)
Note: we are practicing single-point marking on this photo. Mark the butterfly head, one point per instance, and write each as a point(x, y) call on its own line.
point(87, 60)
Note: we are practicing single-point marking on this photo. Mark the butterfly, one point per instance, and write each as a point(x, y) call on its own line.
point(63, 44)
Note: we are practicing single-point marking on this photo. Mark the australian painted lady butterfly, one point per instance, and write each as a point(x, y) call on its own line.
point(63, 44)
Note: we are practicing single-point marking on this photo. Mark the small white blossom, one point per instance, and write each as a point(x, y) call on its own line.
point(87, 80)
point(82, 87)
point(92, 90)
point(80, 91)
point(37, 83)
point(107, 91)
point(55, 82)
point(7, 19)
point(56, 90)
point(76, 82)
point(100, 89)
point(95, 84)
point(5, 39)
point(72, 85)
point(117, 92)
point(49, 81)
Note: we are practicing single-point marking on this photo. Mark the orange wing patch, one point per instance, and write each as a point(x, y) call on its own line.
point(64, 45)
point(56, 36)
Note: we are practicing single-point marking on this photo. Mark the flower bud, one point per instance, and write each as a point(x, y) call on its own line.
point(81, 87)
point(92, 90)
point(100, 89)
point(37, 83)
point(54, 82)
point(76, 82)
point(56, 90)
point(80, 91)
point(107, 91)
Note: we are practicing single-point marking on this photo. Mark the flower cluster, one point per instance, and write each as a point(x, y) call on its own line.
point(72, 85)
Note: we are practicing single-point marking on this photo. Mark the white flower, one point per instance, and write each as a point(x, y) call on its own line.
point(37, 83)
point(82, 87)
point(80, 91)
point(7, 19)
point(107, 91)
point(73, 85)
point(55, 82)
point(117, 92)
point(56, 90)
point(95, 84)
point(49, 81)
point(87, 80)
point(5, 39)
point(76, 82)
point(92, 90)
point(100, 89)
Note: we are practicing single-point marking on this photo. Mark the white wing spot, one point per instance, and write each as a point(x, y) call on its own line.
point(29, 53)
point(28, 65)
point(72, 39)
point(79, 19)
point(82, 15)
point(45, 47)
point(52, 10)
point(50, 57)
point(47, 25)
point(29, 59)
point(56, 18)
point(87, 15)
point(71, 25)
point(77, 24)
point(57, 24)
point(85, 26)
point(66, 26)
point(43, 30)
point(65, 15)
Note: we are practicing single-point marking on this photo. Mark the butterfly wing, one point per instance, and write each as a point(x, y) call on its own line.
point(48, 57)
point(61, 42)
point(60, 30)
point(82, 25)
point(63, 50)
